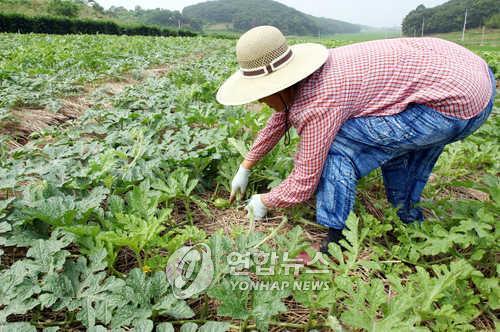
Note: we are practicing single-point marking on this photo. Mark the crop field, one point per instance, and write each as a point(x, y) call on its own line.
point(474, 38)
point(93, 207)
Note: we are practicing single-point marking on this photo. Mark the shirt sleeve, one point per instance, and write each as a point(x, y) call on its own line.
point(317, 133)
point(268, 137)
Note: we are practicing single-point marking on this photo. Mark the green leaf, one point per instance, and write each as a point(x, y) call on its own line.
point(267, 304)
point(84, 285)
point(94, 199)
point(489, 288)
point(51, 329)
point(4, 228)
point(17, 327)
point(293, 242)
point(147, 295)
point(189, 327)
point(220, 245)
point(351, 245)
point(142, 201)
point(434, 289)
point(215, 327)
point(239, 146)
point(167, 327)
point(3, 206)
point(145, 325)
point(333, 323)
point(365, 309)
point(116, 204)
point(20, 284)
point(97, 328)
point(234, 302)
point(174, 307)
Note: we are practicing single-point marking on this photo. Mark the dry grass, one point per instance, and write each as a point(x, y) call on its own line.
point(236, 217)
point(125, 260)
point(11, 255)
point(463, 193)
point(25, 121)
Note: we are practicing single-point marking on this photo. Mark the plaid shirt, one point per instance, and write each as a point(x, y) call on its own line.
point(373, 78)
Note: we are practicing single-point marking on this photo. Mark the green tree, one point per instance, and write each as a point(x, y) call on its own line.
point(66, 8)
point(493, 22)
point(450, 16)
point(245, 14)
point(98, 8)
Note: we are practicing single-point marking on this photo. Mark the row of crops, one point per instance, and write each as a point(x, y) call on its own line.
point(91, 212)
point(36, 69)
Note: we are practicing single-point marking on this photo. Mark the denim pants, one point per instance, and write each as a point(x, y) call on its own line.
point(406, 146)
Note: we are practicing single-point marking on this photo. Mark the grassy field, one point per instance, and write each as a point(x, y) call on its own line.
point(365, 36)
point(475, 40)
point(92, 209)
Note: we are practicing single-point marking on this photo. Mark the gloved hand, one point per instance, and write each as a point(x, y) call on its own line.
point(239, 183)
point(259, 209)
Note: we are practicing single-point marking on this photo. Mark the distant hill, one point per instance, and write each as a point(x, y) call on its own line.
point(222, 15)
point(450, 16)
point(241, 15)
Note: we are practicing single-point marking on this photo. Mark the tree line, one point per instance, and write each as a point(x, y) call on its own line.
point(64, 25)
point(449, 16)
point(91, 9)
point(159, 17)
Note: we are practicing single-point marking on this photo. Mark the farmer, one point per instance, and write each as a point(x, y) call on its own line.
point(393, 104)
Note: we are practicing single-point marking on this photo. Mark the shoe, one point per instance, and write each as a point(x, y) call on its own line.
point(411, 215)
point(334, 235)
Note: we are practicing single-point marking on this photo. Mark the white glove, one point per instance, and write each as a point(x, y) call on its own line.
point(240, 182)
point(259, 209)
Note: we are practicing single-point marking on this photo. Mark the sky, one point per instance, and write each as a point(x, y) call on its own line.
point(375, 13)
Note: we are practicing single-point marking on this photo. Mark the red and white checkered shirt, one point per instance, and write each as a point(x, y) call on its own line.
point(371, 79)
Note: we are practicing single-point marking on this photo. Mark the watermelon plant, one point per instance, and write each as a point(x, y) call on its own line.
point(91, 212)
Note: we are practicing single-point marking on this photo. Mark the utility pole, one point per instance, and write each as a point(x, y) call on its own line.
point(423, 23)
point(465, 24)
point(482, 37)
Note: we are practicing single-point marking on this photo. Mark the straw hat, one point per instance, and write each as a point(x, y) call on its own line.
point(268, 65)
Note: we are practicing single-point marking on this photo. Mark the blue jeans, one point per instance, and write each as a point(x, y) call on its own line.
point(406, 146)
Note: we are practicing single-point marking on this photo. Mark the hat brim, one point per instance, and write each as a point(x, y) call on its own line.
point(239, 90)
